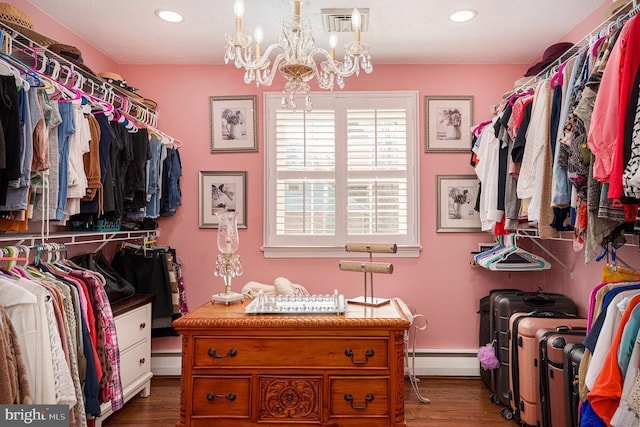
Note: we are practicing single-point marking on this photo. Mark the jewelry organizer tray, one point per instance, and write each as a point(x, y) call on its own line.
point(297, 304)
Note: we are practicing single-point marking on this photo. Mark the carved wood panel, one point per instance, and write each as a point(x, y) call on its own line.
point(296, 398)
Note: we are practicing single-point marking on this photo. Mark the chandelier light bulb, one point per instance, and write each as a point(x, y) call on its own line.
point(258, 34)
point(333, 42)
point(238, 8)
point(356, 20)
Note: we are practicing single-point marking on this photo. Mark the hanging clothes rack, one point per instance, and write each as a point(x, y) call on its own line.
point(23, 53)
point(604, 28)
point(58, 68)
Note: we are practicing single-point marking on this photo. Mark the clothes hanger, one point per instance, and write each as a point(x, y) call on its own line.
point(512, 98)
point(508, 256)
point(558, 77)
point(501, 248)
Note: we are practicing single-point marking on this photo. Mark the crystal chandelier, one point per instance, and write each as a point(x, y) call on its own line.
point(295, 56)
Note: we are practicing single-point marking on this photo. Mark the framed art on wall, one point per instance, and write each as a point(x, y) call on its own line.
point(456, 201)
point(233, 123)
point(222, 191)
point(448, 121)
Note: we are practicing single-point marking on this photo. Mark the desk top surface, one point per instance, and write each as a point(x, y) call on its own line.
point(393, 315)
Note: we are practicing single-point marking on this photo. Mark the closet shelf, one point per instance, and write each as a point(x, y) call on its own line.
point(80, 238)
point(581, 44)
point(26, 50)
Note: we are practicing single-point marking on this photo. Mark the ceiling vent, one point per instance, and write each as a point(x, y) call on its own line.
point(339, 20)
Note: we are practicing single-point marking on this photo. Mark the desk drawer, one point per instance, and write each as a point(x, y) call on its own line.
point(291, 351)
point(221, 396)
point(359, 396)
point(133, 326)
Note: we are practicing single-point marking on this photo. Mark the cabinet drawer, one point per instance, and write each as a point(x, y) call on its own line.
point(134, 362)
point(221, 396)
point(359, 396)
point(133, 326)
point(291, 351)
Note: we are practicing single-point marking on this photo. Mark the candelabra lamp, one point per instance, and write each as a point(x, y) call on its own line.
point(369, 268)
point(228, 263)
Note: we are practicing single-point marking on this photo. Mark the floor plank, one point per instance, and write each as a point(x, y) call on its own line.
point(454, 402)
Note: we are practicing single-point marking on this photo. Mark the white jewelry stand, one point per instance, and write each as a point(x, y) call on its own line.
point(369, 268)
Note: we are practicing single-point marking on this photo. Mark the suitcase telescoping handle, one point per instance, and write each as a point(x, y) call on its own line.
point(539, 298)
point(541, 313)
point(563, 329)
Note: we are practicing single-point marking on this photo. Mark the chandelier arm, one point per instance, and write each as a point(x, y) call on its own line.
point(265, 76)
point(332, 64)
point(248, 62)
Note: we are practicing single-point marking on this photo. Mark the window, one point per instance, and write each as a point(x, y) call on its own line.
point(347, 171)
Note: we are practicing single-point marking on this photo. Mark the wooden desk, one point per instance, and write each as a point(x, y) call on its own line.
point(243, 369)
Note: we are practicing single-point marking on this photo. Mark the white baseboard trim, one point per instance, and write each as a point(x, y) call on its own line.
point(166, 363)
point(446, 363)
point(428, 362)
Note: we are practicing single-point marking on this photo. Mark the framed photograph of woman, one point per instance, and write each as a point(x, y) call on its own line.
point(233, 121)
point(456, 202)
point(222, 191)
point(448, 121)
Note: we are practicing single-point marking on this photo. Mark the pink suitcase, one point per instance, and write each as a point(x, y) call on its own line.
point(552, 408)
point(524, 354)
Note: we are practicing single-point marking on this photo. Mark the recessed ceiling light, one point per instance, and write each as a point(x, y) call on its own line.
point(169, 15)
point(463, 15)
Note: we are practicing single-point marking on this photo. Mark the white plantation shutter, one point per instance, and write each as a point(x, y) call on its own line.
point(305, 173)
point(377, 172)
point(344, 172)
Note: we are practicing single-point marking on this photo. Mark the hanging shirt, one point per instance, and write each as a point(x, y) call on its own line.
point(530, 177)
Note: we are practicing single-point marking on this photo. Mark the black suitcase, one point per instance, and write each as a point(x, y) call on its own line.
point(504, 305)
point(486, 333)
point(553, 387)
point(573, 353)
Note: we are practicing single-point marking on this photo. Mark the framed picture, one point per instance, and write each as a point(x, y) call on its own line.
point(448, 121)
point(456, 202)
point(233, 123)
point(222, 191)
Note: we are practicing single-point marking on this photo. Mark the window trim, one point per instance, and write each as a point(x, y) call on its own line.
point(410, 250)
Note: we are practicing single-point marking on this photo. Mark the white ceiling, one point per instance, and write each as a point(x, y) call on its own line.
point(400, 32)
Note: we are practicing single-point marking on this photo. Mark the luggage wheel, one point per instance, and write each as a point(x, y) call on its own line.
point(494, 399)
point(506, 413)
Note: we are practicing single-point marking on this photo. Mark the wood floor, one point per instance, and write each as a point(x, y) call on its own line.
point(456, 401)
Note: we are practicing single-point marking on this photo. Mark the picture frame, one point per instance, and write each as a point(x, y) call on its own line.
point(233, 123)
point(448, 121)
point(222, 191)
point(456, 199)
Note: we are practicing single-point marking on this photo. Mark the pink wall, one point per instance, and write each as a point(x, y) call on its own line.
point(441, 283)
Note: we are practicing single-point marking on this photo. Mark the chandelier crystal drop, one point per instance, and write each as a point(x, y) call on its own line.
point(295, 56)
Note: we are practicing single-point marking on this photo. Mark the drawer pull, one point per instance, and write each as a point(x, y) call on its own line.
point(143, 325)
point(368, 398)
point(212, 396)
point(349, 353)
point(142, 360)
point(231, 353)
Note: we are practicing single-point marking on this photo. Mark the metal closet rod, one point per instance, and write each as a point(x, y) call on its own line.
point(580, 45)
point(98, 88)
